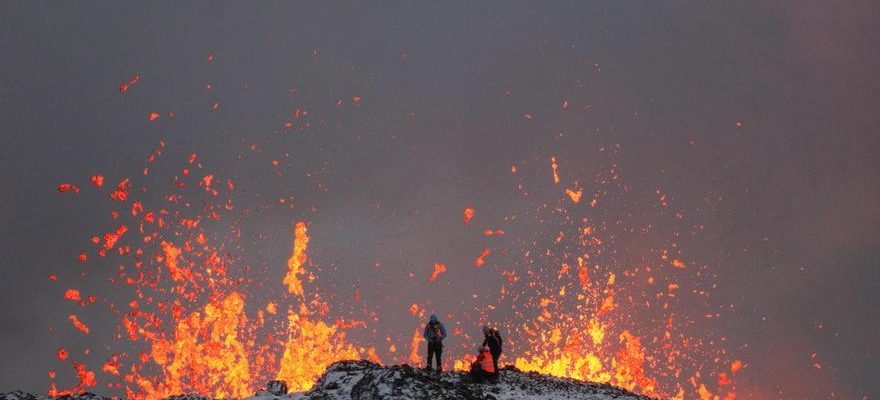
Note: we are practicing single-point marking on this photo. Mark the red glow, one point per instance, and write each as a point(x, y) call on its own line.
point(482, 258)
point(438, 270)
point(72, 295)
point(468, 214)
point(78, 324)
point(129, 83)
point(121, 192)
point(64, 187)
point(97, 180)
point(555, 167)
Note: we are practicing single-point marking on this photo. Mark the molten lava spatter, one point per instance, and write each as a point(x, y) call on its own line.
point(577, 307)
point(583, 315)
point(311, 347)
point(297, 259)
point(439, 269)
point(189, 313)
point(205, 355)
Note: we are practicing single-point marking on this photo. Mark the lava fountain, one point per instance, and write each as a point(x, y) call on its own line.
point(184, 297)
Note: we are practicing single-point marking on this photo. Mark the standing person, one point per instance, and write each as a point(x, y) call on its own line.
point(494, 342)
point(434, 333)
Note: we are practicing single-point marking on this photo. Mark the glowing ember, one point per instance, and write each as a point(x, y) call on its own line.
point(468, 214)
point(129, 83)
point(678, 264)
point(111, 366)
point(438, 270)
point(735, 366)
point(121, 192)
point(78, 324)
point(482, 258)
point(64, 187)
point(62, 354)
point(97, 180)
point(72, 295)
point(574, 195)
point(555, 167)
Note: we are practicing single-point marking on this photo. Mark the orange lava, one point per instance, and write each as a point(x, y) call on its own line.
point(577, 312)
point(72, 295)
point(555, 167)
point(297, 259)
point(129, 83)
point(468, 214)
point(439, 269)
point(482, 258)
point(574, 195)
point(311, 346)
point(65, 187)
point(78, 324)
point(206, 354)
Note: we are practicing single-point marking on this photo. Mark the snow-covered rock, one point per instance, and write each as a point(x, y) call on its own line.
point(366, 380)
point(362, 380)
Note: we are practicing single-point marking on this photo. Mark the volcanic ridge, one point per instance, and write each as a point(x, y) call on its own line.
point(368, 380)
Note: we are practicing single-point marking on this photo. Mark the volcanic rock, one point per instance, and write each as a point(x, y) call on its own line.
point(273, 388)
point(359, 380)
point(17, 395)
point(362, 380)
point(188, 397)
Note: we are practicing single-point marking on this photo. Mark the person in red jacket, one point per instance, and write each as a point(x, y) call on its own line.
point(483, 368)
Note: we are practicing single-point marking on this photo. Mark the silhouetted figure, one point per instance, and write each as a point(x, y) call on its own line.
point(483, 368)
point(434, 333)
point(494, 342)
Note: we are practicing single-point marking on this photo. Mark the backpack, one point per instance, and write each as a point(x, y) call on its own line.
point(494, 341)
point(434, 333)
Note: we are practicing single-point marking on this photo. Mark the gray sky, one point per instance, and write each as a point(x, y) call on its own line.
point(788, 202)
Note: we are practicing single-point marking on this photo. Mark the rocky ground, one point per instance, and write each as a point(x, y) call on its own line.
point(367, 380)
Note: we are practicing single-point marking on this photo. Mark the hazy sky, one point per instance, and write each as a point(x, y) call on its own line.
point(789, 200)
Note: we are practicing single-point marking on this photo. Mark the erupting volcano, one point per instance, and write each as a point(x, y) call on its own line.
point(283, 202)
point(576, 311)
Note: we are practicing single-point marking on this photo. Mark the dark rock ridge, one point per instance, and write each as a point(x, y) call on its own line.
point(362, 380)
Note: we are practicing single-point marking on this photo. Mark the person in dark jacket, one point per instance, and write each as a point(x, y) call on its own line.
point(434, 333)
point(494, 342)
